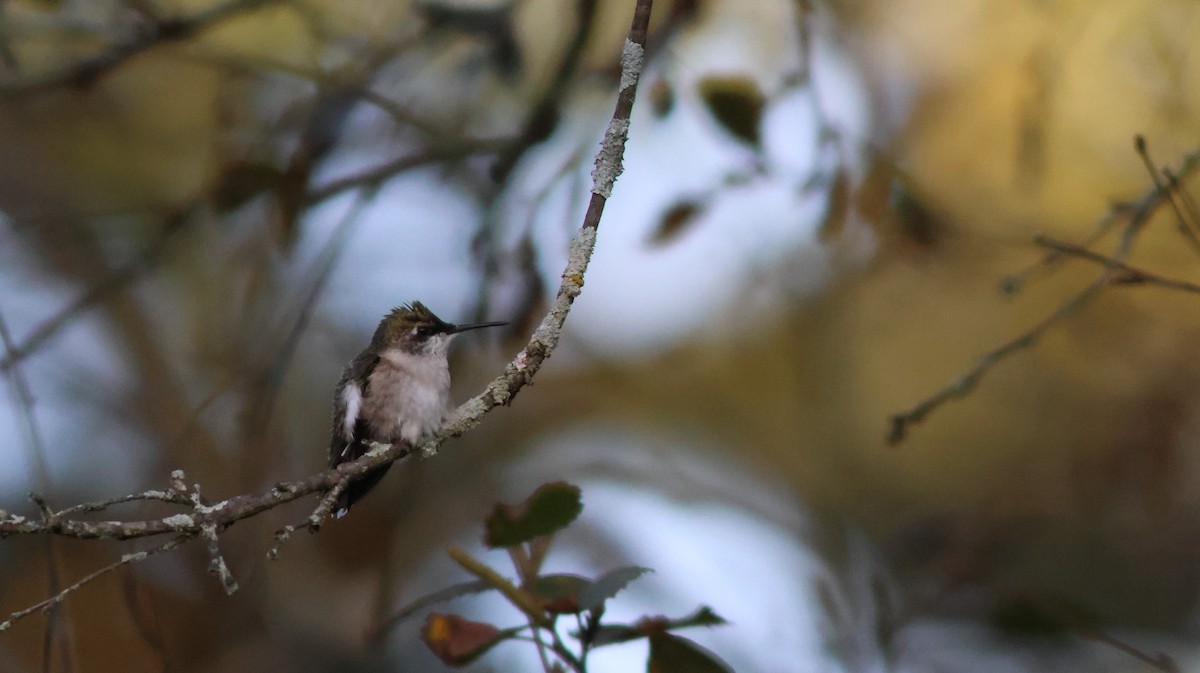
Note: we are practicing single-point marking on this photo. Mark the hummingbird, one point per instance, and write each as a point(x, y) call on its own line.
point(396, 390)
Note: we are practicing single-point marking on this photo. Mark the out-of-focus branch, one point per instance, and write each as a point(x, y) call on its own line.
point(544, 115)
point(372, 178)
point(159, 31)
point(23, 395)
point(1159, 661)
point(209, 520)
point(1130, 275)
point(115, 281)
point(1115, 271)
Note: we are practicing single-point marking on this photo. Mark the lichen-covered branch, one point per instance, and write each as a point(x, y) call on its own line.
point(198, 519)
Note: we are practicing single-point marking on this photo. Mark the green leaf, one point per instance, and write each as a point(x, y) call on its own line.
point(672, 654)
point(614, 634)
point(560, 592)
point(551, 507)
point(572, 594)
point(611, 634)
point(737, 104)
point(609, 585)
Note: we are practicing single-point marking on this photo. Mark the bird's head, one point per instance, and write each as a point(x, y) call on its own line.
point(413, 328)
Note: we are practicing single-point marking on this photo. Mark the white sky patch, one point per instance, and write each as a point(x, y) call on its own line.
point(412, 243)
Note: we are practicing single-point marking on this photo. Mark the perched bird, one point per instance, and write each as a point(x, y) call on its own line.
point(396, 390)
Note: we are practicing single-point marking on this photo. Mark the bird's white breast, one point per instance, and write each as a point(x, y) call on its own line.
point(407, 396)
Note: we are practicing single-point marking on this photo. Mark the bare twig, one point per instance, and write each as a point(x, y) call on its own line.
point(374, 177)
point(1160, 662)
point(58, 598)
point(1168, 192)
point(1129, 275)
point(1189, 204)
point(1013, 283)
point(170, 496)
point(543, 117)
point(1113, 272)
point(23, 395)
point(901, 422)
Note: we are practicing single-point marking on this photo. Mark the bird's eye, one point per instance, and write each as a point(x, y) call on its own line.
point(425, 330)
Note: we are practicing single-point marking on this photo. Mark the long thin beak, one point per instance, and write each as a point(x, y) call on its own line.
point(455, 329)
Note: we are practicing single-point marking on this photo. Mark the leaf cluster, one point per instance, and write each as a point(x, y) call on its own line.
point(547, 600)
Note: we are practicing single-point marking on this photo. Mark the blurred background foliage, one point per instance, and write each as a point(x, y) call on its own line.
point(207, 204)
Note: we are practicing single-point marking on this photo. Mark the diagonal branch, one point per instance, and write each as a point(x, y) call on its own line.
point(208, 521)
point(1130, 275)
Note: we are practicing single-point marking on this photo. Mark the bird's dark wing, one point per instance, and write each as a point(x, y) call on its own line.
point(348, 426)
point(355, 490)
point(351, 434)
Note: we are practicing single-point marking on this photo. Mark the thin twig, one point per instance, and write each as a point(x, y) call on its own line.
point(223, 514)
point(564, 653)
point(1013, 283)
point(171, 497)
point(1189, 204)
point(960, 388)
point(375, 177)
point(520, 599)
point(540, 645)
point(1129, 275)
point(36, 448)
point(87, 579)
point(1181, 222)
point(1162, 662)
point(1137, 218)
